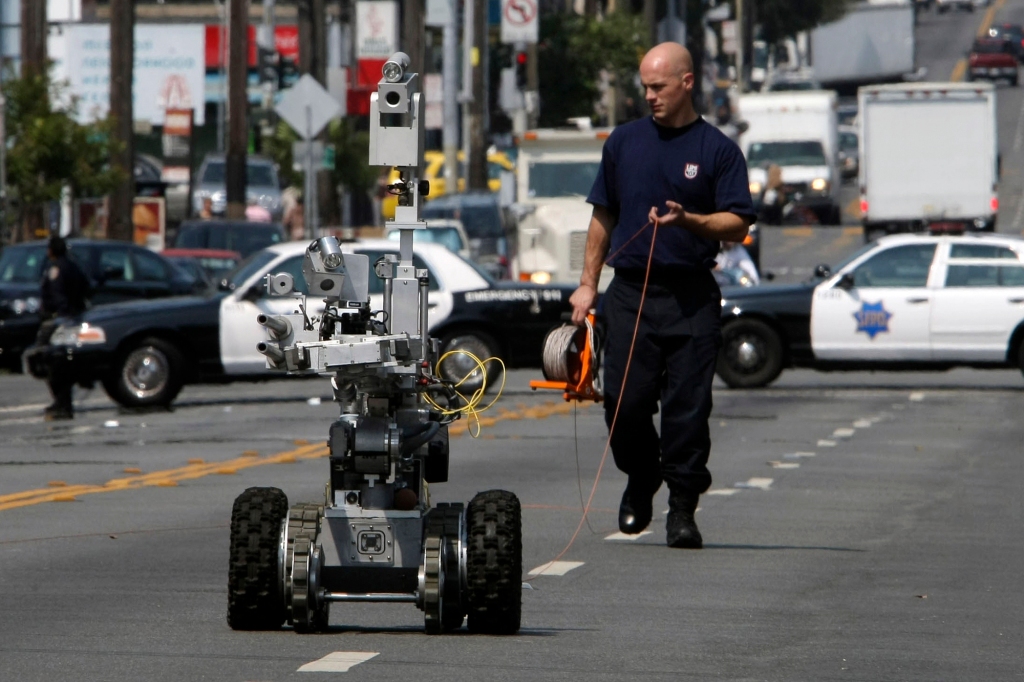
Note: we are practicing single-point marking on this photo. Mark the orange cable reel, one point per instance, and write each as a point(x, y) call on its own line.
point(571, 362)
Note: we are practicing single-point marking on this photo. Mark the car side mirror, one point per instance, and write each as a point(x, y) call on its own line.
point(822, 271)
point(846, 282)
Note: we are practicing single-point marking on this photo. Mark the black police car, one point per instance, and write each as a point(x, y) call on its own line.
point(118, 271)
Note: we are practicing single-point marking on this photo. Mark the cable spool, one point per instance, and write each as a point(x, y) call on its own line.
point(562, 358)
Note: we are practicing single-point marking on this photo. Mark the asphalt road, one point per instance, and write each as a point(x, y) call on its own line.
point(860, 527)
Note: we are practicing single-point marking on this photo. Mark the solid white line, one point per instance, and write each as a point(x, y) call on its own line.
point(843, 433)
point(22, 420)
point(338, 662)
point(618, 537)
point(784, 465)
point(759, 483)
point(722, 491)
point(916, 397)
point(826, 443)
point(555, 568)
point(862, 424)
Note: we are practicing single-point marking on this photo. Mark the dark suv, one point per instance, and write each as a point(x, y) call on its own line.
point(483, 221)
point(118, 271)
point(228, 235)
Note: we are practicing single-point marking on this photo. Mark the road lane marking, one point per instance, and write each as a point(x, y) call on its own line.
point(338, 662)
point(619, 537)
point(824, 443)
point(798, 231)
point(775, 464)
point(722, 491)
point(758, 483)
point(989, 17)
point(843, 433)
point(916, 397)
point(555, 568)
point(171, 477)
point(23, 408)
point(862, 424)
point(798, 455)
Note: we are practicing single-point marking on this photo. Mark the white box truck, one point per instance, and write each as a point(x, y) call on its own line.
point(929, 158)
point(555, 171)
point(871, 43)
point(797, 131)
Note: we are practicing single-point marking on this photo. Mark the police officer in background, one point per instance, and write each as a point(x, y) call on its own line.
point(676, 161)
point(65, 291)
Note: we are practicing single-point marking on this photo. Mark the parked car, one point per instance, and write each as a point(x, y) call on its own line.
point(262, 184)
point(206, 265)
point(144, 353)
point(903, 302)
point(117, 271)
point(228, 235)
point(448, 233)
point(481, 216)
point(992, 58)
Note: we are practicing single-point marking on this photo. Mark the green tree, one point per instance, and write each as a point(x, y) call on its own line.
point(781, 19)
point(47, 149)
point(574, 50)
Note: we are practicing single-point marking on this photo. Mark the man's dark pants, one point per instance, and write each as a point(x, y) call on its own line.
point(673, 362)
point(59, 381)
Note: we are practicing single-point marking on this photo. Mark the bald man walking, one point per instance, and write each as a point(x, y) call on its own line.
point(680, 171)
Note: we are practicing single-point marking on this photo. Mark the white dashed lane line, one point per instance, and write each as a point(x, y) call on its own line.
point(338, 662)
point(622, 537)
point(916, 397)
point(798, 455)
point(722, 491)
point(759, 483)
point(555, 568)
point(843, 433)
point(784, 465)
point(862, 424)
point(826, 443)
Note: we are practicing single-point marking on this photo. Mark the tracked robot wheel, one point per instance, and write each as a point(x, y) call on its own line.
point(302, 566)
point(443, 573)
point(494, 567)
point(254, 595)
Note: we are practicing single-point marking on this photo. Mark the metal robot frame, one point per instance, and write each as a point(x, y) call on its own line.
point(375, 537)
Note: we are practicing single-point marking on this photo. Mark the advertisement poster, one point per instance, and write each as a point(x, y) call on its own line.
point(376, 37)
point(170, 69)
point(149, 219)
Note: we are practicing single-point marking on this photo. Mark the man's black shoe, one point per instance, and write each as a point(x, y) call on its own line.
point(58, 414)
point(637, 507)
point(681, 529)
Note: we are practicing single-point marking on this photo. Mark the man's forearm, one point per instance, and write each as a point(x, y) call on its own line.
point(723, 227)
point(599, 237)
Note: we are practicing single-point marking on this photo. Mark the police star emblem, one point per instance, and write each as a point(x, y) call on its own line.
point(872, 318)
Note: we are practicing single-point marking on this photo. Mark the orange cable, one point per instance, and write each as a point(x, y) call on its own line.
point(618, 402)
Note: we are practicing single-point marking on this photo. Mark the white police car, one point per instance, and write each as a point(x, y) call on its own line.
point(903, 302)
point(144, 352)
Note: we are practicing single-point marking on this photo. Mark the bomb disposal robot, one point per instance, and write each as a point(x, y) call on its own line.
point(375, 537)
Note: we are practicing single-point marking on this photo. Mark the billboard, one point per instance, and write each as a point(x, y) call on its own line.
point(170, 68)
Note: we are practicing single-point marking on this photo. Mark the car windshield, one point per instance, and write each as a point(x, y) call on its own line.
point(480, 221)
point(848, 141)
point(257, 174)
point(247, 268)
point(807, 153)
point(562, 179)
point(447, 237)
point(22, 265)
point(990, 47)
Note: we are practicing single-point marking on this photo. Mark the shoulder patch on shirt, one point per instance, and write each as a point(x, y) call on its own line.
point(691, 171)
point(54, 272)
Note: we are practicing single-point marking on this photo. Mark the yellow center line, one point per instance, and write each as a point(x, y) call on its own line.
point(171, 477)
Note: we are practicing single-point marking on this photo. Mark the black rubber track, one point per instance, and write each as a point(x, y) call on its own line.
point(254, 586)
point(495, 563)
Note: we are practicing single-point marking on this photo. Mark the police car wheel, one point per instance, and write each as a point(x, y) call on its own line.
point(146, 375)
point(459, 366)
point(751, 355)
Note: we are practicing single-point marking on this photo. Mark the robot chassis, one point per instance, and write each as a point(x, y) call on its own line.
point(375, 536)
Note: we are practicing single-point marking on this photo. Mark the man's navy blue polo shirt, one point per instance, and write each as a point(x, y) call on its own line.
point(644, 164)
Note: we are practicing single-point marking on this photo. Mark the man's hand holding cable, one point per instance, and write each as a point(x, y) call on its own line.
point(723, 227)
point(584, 299)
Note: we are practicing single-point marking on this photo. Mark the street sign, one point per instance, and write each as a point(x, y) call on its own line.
point(519, 21)
point(307, 107)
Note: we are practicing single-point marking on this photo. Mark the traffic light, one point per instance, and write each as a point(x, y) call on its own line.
point(268, 66)
point(521, 61)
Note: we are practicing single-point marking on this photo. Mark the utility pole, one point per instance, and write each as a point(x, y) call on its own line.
point(33, 37)
point(466, 97)
point(238, 106)
point(450, 132)
point(413, 29)
point(122, 157)
point(477, 158)
point(651, 20)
